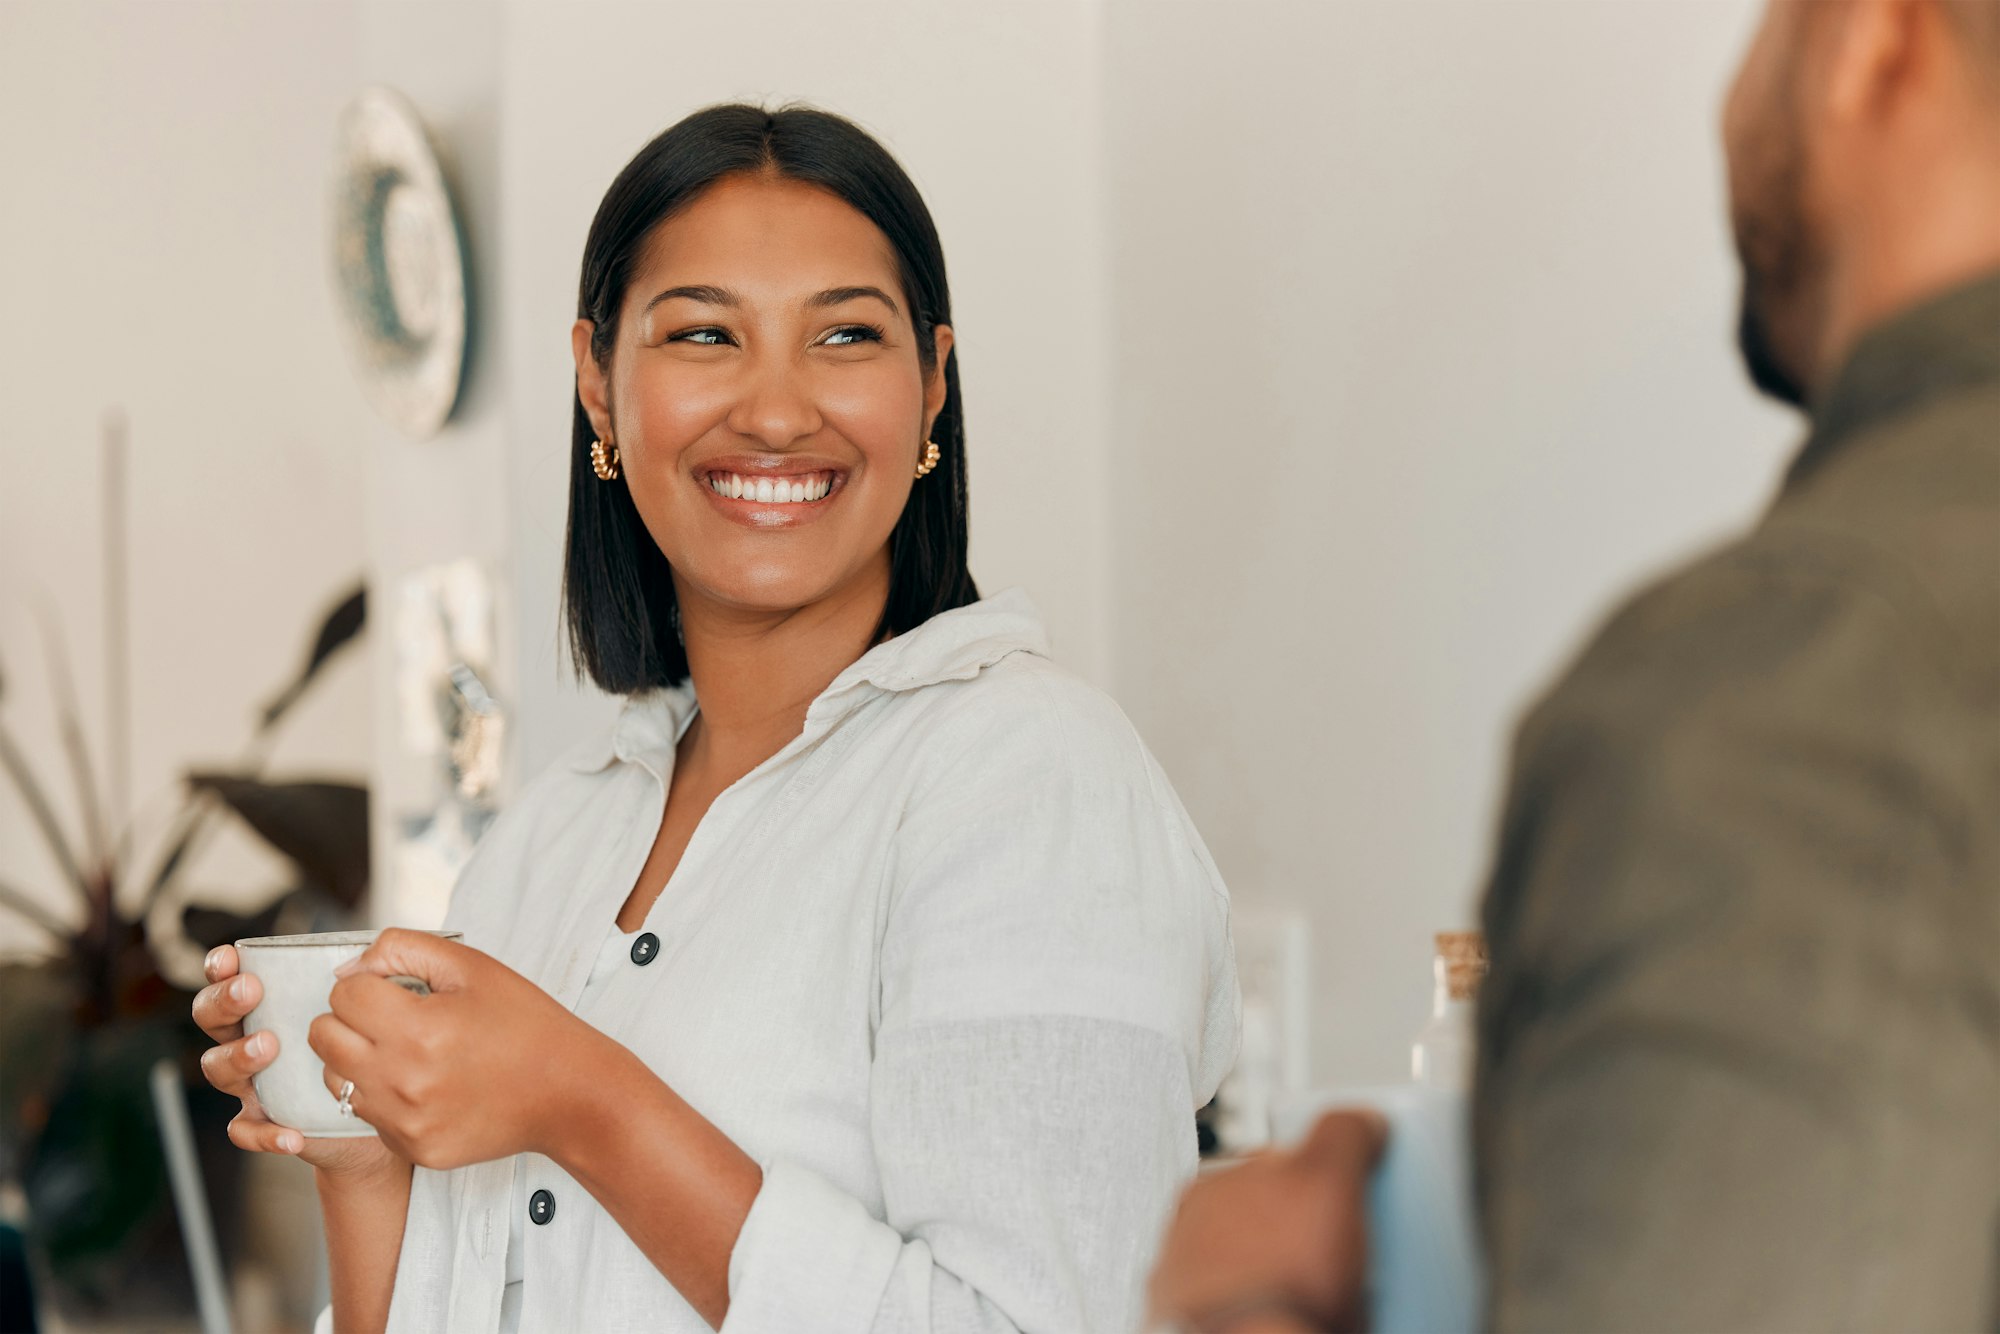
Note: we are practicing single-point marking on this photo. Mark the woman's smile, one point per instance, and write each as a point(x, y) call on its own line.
point(771, 491)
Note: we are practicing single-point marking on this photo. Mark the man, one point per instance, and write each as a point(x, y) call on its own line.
point(1740, 1047)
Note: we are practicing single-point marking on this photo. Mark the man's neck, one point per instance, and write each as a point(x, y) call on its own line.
point(1922, 244)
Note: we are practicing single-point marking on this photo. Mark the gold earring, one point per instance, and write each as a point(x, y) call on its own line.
point(604, 460)
point(929, 460)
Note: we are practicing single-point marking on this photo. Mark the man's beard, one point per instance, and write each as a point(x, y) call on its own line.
point(1761, 358)
point(1781, 260)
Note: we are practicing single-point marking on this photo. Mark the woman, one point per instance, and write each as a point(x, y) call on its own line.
point(867, 974)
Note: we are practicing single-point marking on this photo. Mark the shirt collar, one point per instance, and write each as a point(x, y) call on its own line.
point(951, 646)
point(1939, 347)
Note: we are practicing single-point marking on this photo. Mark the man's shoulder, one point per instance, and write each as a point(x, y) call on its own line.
point(1909, 509)
point(1783, 616)
point(1885, 551)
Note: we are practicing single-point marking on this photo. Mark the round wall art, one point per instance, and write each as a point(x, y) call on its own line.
point(399, 265)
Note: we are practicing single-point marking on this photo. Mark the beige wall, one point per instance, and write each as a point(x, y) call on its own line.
point(162, 251)
point(445, 499)
point(1420, 355)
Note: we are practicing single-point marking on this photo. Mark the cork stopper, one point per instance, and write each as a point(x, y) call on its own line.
point(1461, 955)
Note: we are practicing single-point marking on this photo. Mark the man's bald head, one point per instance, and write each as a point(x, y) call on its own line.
point(1864, 155)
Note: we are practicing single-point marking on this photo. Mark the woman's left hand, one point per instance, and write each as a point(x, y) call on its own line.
point(477, 1070)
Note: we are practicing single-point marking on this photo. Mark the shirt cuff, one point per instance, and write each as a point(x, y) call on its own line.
point(808, 1257)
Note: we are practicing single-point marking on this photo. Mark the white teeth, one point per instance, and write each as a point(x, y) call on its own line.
point(772, 491)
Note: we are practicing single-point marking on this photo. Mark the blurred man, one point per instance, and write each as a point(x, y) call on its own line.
point(1740, 1047)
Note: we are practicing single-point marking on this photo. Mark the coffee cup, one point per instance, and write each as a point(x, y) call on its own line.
point(297, 976)
point(1425, 1275)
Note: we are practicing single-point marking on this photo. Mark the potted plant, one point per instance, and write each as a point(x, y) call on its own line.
point(82, 1024)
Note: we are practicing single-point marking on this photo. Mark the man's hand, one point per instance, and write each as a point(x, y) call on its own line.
point(1280, 1238)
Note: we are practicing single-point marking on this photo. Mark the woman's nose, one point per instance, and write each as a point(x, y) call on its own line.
point(776, 407)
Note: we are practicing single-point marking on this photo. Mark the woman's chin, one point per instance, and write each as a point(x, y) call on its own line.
point(772, 592)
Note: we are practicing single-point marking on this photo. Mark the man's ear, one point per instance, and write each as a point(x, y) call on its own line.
point(1872, 55)
point(935, 388)
point(591, 390)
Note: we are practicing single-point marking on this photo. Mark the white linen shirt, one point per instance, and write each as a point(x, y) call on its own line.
point(953, 967)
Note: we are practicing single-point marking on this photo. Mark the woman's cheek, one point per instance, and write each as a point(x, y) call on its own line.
point(664, 405)
point(874, 412)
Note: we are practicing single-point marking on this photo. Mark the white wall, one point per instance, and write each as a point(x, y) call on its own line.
point(1421, 354)
point(162, 251)
point(445, 499)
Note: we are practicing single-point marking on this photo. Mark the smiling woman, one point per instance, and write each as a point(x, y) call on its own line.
point(867, 974)
point(735, 249)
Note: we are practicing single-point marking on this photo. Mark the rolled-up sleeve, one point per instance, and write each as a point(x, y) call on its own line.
point(1056, 999)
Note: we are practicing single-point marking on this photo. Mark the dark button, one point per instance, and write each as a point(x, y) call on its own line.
point(645, 949)
point(541, 1207)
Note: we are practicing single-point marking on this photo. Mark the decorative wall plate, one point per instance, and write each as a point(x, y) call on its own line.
point(399, 264)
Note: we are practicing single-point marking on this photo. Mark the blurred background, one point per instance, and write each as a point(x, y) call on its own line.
point(1329, 367)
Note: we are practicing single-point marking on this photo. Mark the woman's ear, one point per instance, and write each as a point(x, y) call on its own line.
point(935, 388)
point(591, 390)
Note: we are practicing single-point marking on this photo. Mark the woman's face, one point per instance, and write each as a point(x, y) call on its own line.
point(766, 395)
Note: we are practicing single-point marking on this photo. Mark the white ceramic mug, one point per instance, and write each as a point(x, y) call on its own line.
point(297, 975)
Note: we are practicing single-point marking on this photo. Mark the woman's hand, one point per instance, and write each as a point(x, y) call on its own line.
point(476, 1070)
point(219, 1009)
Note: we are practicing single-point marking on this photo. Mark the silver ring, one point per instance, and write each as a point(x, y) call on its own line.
point(347, 1098)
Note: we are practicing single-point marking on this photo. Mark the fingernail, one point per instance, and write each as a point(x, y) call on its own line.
point(239, 989)
point(208, 964)
point(290, 1142)
point(348, 969)
point(259, 1045)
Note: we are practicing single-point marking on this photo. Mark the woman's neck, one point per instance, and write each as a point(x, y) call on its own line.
point(757, 672)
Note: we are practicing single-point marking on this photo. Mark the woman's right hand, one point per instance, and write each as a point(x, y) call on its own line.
point(219, 1008)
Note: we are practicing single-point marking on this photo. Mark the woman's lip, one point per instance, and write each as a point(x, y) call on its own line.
point(773, 466)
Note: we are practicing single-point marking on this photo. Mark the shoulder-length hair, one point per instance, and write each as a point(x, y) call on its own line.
point(618, 594)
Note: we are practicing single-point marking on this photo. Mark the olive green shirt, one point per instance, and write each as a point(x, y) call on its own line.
point(1740, 1047)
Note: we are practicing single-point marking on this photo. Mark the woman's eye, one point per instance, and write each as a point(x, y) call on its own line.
point(849, 335)
point(703, 337)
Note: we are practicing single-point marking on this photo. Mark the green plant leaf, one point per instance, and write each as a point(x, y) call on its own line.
point(20, 901)
point(322, 827)
point(342, 624)
point(62, 682)
point(38, 1004)
point(209, 927)
point(32, 795)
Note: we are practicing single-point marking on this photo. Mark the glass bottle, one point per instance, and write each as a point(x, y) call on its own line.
point(1441, 1057)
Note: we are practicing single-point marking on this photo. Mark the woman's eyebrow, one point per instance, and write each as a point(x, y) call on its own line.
point(708, 296)
point(834, 296)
